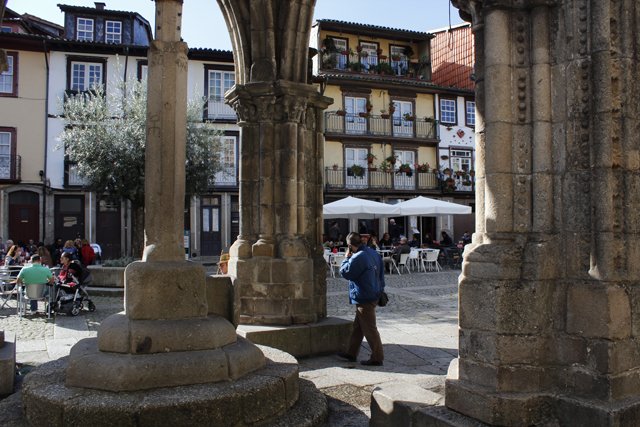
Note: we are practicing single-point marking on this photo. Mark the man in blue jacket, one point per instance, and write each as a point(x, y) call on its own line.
point(363, 267)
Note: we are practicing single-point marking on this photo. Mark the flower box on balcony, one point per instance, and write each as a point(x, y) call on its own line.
point(334, 167)
point(447, 172)
point(385, 116)
point(405, 170)
point(382, 56)
point(395, 58)
point(372, 169)
point(466, 183)
point(379, 51)
point(364, 115)
point(459, 173)
point(341, 112)
point(345, 52)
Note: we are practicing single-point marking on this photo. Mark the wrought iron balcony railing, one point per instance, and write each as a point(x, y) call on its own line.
point(10, 167)
point(395, 126)
point(398, 66)
point(227, 177)
point(218, 110)
point(344, 179)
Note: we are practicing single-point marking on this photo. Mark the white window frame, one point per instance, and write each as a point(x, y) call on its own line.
point(116, 36)
point(470, 116)
point(446, 111)
point(354, 105)
point(87, 35)
point(87, 82)
point(356, 156)
point(5, 166)
point(6, 78)
point(461, 160)
point(226, 81)
point(144, 72)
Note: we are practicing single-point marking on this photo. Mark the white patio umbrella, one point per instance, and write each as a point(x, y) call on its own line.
point(425, 206)
point(352, 207)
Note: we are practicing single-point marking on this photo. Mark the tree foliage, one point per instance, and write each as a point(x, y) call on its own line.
point(106, 135)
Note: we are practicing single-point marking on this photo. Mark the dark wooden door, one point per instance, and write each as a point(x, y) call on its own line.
point(69, 217)
point(210, 236)
point(108, 228)
point(24, 208)
point(234, 228)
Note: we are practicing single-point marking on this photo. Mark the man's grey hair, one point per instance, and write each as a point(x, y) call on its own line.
point(354, 239)
point(403, 240)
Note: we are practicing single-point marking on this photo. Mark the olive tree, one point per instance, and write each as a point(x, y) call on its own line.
point(106, 135)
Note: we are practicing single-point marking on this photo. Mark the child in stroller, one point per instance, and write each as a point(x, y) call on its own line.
point(70, 291)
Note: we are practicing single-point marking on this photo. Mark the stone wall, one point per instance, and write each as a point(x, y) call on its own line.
point(549, 312)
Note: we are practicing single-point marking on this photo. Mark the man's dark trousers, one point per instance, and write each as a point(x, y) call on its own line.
point(364, 325)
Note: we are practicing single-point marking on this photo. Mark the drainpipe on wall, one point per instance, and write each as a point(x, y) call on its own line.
point(46, 146)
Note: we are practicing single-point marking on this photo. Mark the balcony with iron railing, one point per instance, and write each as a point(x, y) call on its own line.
point(365, 63)
point(337, 178)
point(72, 176)
point(383, 125)
point(227, 177)
point(219, 111)
point(10, 167)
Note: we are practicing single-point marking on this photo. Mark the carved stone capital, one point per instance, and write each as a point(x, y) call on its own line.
point(281, 101)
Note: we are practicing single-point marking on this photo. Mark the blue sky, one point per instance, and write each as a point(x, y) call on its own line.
point(203, 25)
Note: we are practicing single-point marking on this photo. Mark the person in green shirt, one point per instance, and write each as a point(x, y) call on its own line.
point(33, 275)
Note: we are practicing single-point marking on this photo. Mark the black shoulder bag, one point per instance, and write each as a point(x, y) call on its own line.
point(384, 298)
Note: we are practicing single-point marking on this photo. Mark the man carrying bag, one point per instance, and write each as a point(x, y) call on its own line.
point(363, 267)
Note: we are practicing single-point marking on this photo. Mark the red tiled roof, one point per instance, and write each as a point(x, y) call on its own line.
point(452, 57)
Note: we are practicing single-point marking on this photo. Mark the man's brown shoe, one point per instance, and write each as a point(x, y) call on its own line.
point(370, 363)
point(347, 356)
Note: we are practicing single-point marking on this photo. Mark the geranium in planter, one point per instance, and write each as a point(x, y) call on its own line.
point(371, 157)
point(335, 167)
point(472, 172)
point(447, 171)
point(466, 183)
point(369, 106)
point(379, 51)
point(356, 170)
point(423, 168)
point(405, 167)
point(386, 166)
point(430, 119)
point(365, 115)
point(395, 58)
point(450, 181)
point(372, 168)
point(392, 107)
point(391, 159)
point(459, 173)
point(341, 112)
point(384, 114)
point(408, 117)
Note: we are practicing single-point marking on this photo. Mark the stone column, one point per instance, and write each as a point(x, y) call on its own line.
point(278, 255)
point(164, 338)
point(548, 300)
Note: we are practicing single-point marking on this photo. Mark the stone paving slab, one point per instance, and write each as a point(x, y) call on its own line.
point(418, 330)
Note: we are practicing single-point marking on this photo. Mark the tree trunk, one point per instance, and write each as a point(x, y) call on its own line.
point(138, 230)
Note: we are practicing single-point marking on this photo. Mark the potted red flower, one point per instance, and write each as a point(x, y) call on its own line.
point(341, 112)
point(370, 158)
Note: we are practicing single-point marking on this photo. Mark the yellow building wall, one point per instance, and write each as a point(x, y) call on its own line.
point(428, 155)
point(26, 113)
point(424, 105)
point(333, 154)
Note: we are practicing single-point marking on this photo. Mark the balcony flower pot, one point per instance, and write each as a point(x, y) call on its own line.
point(341, 112)
point(363, 54)
point(391, 159)
point(385, 116)
point(459, 173)
point(334, 167)
point(392, 110)
point(356, 170)
point(450, 182)
point(379, 52)
point(444, 157)
point(389, 170)
point(345, 52)
point(364, 115)
point(372, 169)
point(408, 117)
point(405, 170)
point(359, 49)
point(369, 106)
point(370, 158)
point(447, 172)
point(395, 58)
point(472, 173)
point(382, 56)
point(466, 183)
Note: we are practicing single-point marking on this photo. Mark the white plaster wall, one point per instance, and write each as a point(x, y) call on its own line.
point(450, 137)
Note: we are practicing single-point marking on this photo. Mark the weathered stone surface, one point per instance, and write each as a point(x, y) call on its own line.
point(107, 277)
point(223, 297)
point(395, 404)
point(7, 363)
point(324, 337)
point(261, 397)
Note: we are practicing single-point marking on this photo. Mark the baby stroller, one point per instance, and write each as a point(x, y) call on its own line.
point(70, 297)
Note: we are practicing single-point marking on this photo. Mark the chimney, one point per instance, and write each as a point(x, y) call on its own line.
point(100, 6)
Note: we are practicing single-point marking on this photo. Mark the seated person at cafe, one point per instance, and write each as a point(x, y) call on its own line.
point(466, 239)
point(415, 242)
point(340, 243)
point(34, 275)
point(446, 240)
point(427, 240)
point(69, 269)
point(385, 241)
point(402, 248)
point(13, 256)
point(373, 243)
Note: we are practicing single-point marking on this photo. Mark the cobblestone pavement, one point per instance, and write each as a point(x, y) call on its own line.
point(419, 331)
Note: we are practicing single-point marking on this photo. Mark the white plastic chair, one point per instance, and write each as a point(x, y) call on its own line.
point(414, 259)
point(431, 259)
point(336, 263)
point(29, 292)
point(402, 263)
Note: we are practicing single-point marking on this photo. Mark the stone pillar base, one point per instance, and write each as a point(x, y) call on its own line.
point(279, 291)
point(271, 396)
point(327, 336)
